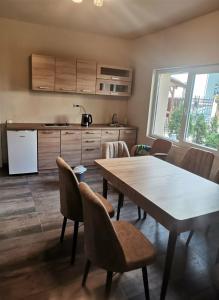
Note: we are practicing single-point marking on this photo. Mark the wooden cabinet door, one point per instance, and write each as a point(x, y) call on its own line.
point(114, 73)
point(48, 148)
point(65, 75)
point(129, 136)
point(43, 72)
point(86, 76)
point(71, 146)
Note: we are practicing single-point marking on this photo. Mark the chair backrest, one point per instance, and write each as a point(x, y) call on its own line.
point(216, 178)
point(160, 146)
point(102, 246)
point(198, 162)
point(70, 197)
point(115, 149)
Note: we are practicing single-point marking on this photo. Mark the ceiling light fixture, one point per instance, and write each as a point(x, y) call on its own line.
point(98, 3)
point(77, 1)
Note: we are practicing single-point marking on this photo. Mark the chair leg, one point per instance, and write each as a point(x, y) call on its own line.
point(189, 237)
point(145, 280)
point(108, 284)
point(207, 229)
point(74, 241)
point(63, 229)
point(120, 204)
point(86, 271)
point(139, 213)
point(145, 215)
point(105, 188)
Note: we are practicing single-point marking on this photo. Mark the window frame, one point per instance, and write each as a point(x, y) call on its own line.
point(192, 72)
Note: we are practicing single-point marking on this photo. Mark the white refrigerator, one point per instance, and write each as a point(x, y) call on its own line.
point(22, 151)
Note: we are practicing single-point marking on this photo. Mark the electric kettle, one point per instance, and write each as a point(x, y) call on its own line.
point(86, 120)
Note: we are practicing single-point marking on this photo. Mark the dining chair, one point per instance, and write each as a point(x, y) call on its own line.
point(115, 150)
point(200, 163)
point(71, 202)
point(159, 149)
point(115, 246)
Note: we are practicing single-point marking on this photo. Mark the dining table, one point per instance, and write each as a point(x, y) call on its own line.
point(179, 200)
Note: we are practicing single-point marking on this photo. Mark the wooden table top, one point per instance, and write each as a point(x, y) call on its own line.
point(176, 198)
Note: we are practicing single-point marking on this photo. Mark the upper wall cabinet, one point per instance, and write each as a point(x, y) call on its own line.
point(65, 75)
point(114, 73)
point(86, 76)
point(43, 72)
point(80, 76)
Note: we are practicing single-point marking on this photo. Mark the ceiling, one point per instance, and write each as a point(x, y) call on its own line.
point(120, 18)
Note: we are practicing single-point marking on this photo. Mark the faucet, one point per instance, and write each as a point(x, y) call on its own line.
point(115, 119)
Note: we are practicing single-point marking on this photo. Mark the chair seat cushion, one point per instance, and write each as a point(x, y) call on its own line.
point(106, 204)
point(138, 250)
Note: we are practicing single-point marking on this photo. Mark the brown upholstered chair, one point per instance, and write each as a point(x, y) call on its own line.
point(115, 150)
point(200, 163)
point(159, 148)
point(71, 202)
point(114, 246)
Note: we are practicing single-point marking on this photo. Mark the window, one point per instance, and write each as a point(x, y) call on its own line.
point(185, 106)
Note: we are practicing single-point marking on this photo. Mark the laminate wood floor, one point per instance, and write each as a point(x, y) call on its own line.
point(34, 265)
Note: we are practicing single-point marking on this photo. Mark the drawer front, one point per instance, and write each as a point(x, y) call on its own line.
point(89, 155)
point(91, 134)
point(73, 158)
point(90, 143)
point(70, 140)
point(109, 136)
point(48, 141)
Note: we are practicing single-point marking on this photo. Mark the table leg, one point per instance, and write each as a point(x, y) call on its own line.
point(105, 187)
point(168, 262)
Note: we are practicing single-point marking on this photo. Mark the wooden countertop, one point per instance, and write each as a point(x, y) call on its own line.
point(42, 126)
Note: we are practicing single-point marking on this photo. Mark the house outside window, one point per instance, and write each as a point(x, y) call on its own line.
point(185, 106)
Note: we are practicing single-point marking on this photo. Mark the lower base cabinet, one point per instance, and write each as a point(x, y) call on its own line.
point(81, 146)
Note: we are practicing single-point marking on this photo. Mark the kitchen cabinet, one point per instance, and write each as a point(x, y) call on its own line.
point(114, 73)
point(43, 72)
point(71, 146)
point(113, 87)
point(48, 148)
point(109, 135)
point(91, 146)
point(65, 75)
point(86, 76)
point(129, 136)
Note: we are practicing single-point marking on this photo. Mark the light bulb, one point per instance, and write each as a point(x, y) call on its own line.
point(98, 3)
point(77, 1)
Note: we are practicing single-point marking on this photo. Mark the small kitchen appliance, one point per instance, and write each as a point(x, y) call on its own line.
point(86, 120)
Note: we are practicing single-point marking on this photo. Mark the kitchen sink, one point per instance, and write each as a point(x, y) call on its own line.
point(56, 124)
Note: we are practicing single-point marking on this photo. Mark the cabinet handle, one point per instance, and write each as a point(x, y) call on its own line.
point(90, 141)
point(108, 132)
point(69, 132)
point(22, 136)
point(90, 149)
point(88, 132)
point(85, 91)
point(62, 89)
point(46, 132)
point(115, 78)
point(43, 87)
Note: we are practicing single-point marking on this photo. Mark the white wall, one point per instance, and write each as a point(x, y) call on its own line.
point(191, 43)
